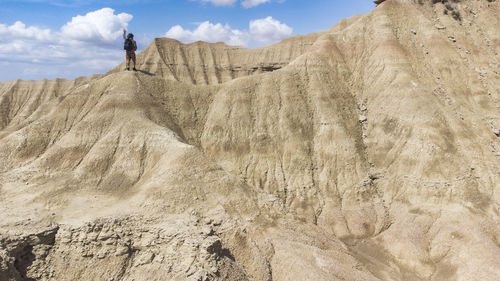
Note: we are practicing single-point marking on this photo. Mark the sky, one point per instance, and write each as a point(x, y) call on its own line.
point(72, 38)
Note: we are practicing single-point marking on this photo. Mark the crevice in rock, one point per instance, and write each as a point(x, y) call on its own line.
point(23, 261)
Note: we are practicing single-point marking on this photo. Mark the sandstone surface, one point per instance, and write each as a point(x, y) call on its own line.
point(369, 151)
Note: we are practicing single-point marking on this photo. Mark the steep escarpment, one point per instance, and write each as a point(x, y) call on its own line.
point(202, 63)
point(369, 151)
point(22, 101)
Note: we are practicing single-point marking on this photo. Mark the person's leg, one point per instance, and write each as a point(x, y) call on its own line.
point(133, 60)
point(127, 61)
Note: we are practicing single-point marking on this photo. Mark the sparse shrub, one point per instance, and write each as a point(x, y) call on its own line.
point(450, 9)
point(456, 15)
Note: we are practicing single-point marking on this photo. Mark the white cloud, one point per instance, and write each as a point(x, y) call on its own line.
point(209, 32)
point(220, 2)
point(82, 46)
point(78, 3)
point(19, 30)
point(267, 30)
point(245, 3)
point(98, 26)
point(252, 3)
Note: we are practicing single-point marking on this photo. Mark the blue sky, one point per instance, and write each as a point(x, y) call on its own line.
point(46, 39)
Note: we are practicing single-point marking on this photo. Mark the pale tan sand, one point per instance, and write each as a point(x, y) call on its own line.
point(365, 152)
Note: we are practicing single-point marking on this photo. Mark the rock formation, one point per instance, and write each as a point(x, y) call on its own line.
point(369, 151)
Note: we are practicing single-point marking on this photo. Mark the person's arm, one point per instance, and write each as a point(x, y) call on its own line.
point(124, 34)
point(135, 46)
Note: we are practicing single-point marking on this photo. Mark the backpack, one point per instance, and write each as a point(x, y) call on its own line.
point(129, 45)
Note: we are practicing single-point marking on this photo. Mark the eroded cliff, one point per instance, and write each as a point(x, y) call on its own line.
point(369, 151)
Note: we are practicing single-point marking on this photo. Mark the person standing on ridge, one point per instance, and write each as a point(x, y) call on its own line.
point(130, 47)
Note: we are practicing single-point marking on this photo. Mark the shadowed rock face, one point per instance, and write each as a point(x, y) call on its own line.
point(369, 151)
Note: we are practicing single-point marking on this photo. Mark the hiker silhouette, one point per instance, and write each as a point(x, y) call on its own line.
point(130, 47)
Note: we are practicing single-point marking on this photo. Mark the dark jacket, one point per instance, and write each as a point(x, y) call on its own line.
point(133, 41)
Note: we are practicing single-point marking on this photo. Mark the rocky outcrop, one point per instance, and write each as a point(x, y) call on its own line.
point(368, 152)
point(18, 255)
point(202, 63)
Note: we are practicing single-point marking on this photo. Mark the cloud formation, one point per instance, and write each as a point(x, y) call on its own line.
point(20, 31)
point(209, 32)
point(98, 26)
point(87, 42)
point(220, 2)
point(245, 3)
point(77, 3)
point(252, 3)
point(267, 30)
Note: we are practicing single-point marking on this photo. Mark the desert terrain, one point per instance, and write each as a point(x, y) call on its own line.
point(369, 151)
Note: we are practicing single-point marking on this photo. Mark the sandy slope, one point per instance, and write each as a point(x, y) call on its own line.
point(369, 151)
